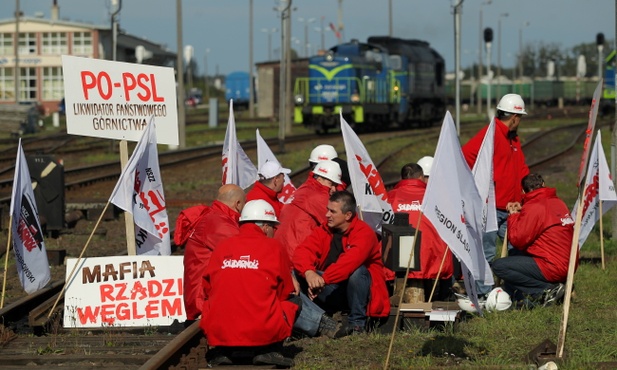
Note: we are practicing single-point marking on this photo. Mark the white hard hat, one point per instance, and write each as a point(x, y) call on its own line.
point(329, 170)
point(322, 152)
point(466, 305)
point(498, 300)
point(512, 103)
point(272, 169)
point(426, 163)
point(258, 210)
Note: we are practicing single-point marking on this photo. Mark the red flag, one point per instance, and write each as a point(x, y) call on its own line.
point(336, 32)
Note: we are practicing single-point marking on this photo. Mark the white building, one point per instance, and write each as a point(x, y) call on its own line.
point(41, 43)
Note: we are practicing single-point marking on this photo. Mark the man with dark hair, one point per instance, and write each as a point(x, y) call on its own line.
point(340, 266)
point(541, 233)
point(407, 197)
point(509, 168)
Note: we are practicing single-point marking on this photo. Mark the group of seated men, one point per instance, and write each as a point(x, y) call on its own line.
point(256, 270)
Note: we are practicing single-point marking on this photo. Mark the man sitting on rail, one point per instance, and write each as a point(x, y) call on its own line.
point(339, 265)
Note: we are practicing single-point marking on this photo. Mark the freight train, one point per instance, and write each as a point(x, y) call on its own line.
point(375, 84)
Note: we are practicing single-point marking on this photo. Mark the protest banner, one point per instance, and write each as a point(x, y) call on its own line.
point(115, 100)
point(124, 291)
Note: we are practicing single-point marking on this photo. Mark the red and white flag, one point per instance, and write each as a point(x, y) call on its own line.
point(483, 175)
point(591, 124)
point(264, 154)
point(237, 166)
point(27, 235)
point(369, 188)
point(139, 191)
point(598, 188)
point(453, 205)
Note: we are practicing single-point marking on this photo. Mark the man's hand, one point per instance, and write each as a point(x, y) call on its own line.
point(513, 207)
point(315, 283)
point(296, 284)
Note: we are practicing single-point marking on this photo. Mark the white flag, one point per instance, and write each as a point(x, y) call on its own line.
point(139, 191)
point(237, 166)
point(453, 205)
point(264, 154)
point(483, 175)
point(369, 188)
point(28, 243)
point(598, 187)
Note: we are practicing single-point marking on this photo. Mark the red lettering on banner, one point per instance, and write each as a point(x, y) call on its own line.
point(373, 178)
point(102, 83)
point(123, 312)
point(121, 296)
point(105, 291)
point(138, 288)
point(286, 193)
point(110, 314)
point(152, 309)
point(171, 309)
point(225, 167)
point(591, 192)
point(87, 314)
point(136, 314)
point(154, 288)
point(154, 206)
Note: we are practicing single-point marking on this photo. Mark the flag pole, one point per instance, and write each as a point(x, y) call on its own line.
point(400, 300)
point(570, 278)
point(79, 259)
point(6, 260)
point(504, 252)
point(601, 237)
point(443, 260)
point(129, 223)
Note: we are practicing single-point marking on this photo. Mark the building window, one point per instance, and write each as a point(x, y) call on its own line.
point(7, 84)
point(27, 84)
point(55, 43)
point(53, 86)
point(27, 43)
point(6, 44)
point(82, 43)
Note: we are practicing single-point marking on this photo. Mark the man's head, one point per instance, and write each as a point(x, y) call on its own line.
point(328, 173)
point(233, 196)
point(341, 210)
point(261, 214)
point(412, 171)
point(532, 182)
point(272, 175)
point(322, 152)
point(510, 109)
point(426, 163)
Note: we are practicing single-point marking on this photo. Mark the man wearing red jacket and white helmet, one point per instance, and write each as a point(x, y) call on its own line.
point(340, 265)
point(541, 233)
point(509, 168)
point(307, 209)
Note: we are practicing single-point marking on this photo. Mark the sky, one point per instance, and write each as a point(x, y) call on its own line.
point(218, 30)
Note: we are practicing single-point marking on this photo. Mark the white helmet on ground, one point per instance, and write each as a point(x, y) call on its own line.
point(512, 103)
point(258, 210)
point(426, 163)
point(322, 152)
point(498, 300)
point(466, 305)
point(329, 170)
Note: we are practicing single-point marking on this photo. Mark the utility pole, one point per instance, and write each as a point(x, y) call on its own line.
point(502, 15)
point(479, 89)
point(390, 33)
point(16, 76)
point(180, 76)
point(488, 39)
point(458, 5)
point(251, 80)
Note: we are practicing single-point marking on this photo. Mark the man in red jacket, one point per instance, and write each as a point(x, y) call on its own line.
point(307, 209)
point(220, 223)
point(509, 168)
point(340, 266)
point(250, 297)
point(541, 233)
point(407, 197)
point(270, 184)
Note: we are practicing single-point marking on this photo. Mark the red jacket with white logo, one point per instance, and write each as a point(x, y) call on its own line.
point(544, 228)
point(407, 197)
point(360, 247)
point(220, 223)
point(306, 211)
point(261, 191)
point(509, 166)
point(247, 284)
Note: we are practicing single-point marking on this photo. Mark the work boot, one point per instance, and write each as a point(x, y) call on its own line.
point(553, 295)
point(217, 357)
point(328, 326)
point(350, 330)
point(273, 358)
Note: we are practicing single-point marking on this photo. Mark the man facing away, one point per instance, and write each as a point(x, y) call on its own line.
point(307, 209)
point(325, 152)
point(339, 265)
point(250, 302)
point(219, 223)
point(269, 185)
point(407, 197)
point(509, 168)
point(541, 233)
